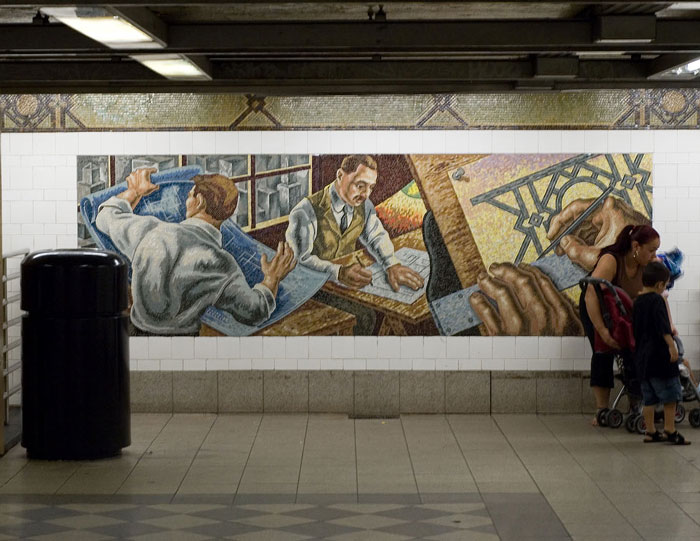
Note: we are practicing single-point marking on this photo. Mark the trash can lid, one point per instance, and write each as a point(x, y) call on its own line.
point(73, 257)
point(74, 282)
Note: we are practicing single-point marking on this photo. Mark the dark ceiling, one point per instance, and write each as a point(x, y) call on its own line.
point(329, 47)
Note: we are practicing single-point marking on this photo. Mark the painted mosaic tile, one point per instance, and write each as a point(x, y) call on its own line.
point(602, 109)
point(199, 232)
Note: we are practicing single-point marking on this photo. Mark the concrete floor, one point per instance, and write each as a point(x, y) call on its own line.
point(268, 477)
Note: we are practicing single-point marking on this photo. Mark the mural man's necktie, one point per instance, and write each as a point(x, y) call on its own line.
point(344, 220)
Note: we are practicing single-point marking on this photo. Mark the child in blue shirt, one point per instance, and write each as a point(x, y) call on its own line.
point(656, 355)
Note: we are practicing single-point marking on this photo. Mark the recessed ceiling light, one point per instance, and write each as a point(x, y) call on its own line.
point(687, 70)
point(694, 65)
point(684, 5)
point(173, 66)
point(103, 26)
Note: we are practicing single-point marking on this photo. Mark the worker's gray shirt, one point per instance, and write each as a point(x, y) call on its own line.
point(178, 269)
point(303, 225)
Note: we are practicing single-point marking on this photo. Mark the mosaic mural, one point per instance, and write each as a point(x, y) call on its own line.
point(604, 109)
point(366, 245)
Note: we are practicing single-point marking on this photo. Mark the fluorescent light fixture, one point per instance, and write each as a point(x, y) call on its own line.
point(687, 71)
point(175, 67)
point(681, 68)
point(684, 5)
point(693, 66)
point(103, 26)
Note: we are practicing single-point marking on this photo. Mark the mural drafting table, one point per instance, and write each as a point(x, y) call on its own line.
point(399, 318)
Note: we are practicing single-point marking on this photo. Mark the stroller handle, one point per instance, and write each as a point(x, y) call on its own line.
point(679, 346)
point(590, 280)
point(583, 282)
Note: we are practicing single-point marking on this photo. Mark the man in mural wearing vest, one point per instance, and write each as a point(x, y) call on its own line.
point(328, 224)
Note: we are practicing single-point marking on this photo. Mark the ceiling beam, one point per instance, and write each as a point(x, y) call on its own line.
point(146, 3)
point(300, 89)
point(625, 29)
point(310, 73)
point(464, 36)
point(55, 38)
point(366, 38)
point(76, 71)
point(557, 67)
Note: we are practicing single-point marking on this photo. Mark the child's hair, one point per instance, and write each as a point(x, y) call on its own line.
point(654, 273)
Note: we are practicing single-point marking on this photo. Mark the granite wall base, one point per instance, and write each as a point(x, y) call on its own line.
point(362, 393)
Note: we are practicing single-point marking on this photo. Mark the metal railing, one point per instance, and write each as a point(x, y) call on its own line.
point(10, 344)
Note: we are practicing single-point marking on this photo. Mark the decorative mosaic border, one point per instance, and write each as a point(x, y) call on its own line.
point(605, 109)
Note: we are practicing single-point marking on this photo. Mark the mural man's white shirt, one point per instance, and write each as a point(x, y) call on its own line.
point(178, 270)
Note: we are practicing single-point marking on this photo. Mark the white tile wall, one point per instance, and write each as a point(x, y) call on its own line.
point(240, 364)
point(227, 347)
point(39, 211)
point(365, 346)
point(204, 347)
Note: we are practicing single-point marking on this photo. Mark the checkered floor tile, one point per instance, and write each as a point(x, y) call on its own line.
point(264, 522)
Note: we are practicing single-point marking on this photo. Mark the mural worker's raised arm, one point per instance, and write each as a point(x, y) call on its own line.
point(116, 218)
point(253, 306)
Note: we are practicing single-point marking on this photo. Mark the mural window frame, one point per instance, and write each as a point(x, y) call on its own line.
point(257, 175)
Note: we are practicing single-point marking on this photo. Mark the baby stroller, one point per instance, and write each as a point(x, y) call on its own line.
point(689, 389)
point(616, 309)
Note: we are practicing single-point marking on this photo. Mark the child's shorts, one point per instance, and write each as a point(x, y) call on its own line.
point(661, 391)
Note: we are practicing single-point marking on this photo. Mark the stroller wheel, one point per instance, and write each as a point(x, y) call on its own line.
point(694, 417)
point(639, 425)
point(602, 417)
point(614, 418)
point(680, 413)
point(630, 422)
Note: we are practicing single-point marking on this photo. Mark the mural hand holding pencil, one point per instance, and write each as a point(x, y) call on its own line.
point(598, 230)
point(526, 301)
point(354, 275)
point(327, 225)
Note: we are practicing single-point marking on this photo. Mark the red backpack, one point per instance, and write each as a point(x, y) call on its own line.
point(616, 309)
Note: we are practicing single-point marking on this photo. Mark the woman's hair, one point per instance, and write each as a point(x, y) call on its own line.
point(623, 243)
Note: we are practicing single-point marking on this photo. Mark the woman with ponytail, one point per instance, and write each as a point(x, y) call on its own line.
point(621, 263)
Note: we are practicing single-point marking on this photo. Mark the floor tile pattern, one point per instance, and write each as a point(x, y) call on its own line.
point(298, 476)
point(246, 522)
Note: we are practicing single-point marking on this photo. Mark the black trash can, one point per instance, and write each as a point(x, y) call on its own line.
point(75, 354)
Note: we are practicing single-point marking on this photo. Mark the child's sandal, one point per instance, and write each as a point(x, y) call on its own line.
point(654, 437)
point(676, 438)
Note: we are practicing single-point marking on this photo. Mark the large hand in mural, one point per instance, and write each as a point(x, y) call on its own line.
point(278, 267)
point(528, 303)
point(139, 185)
point(600, 229)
